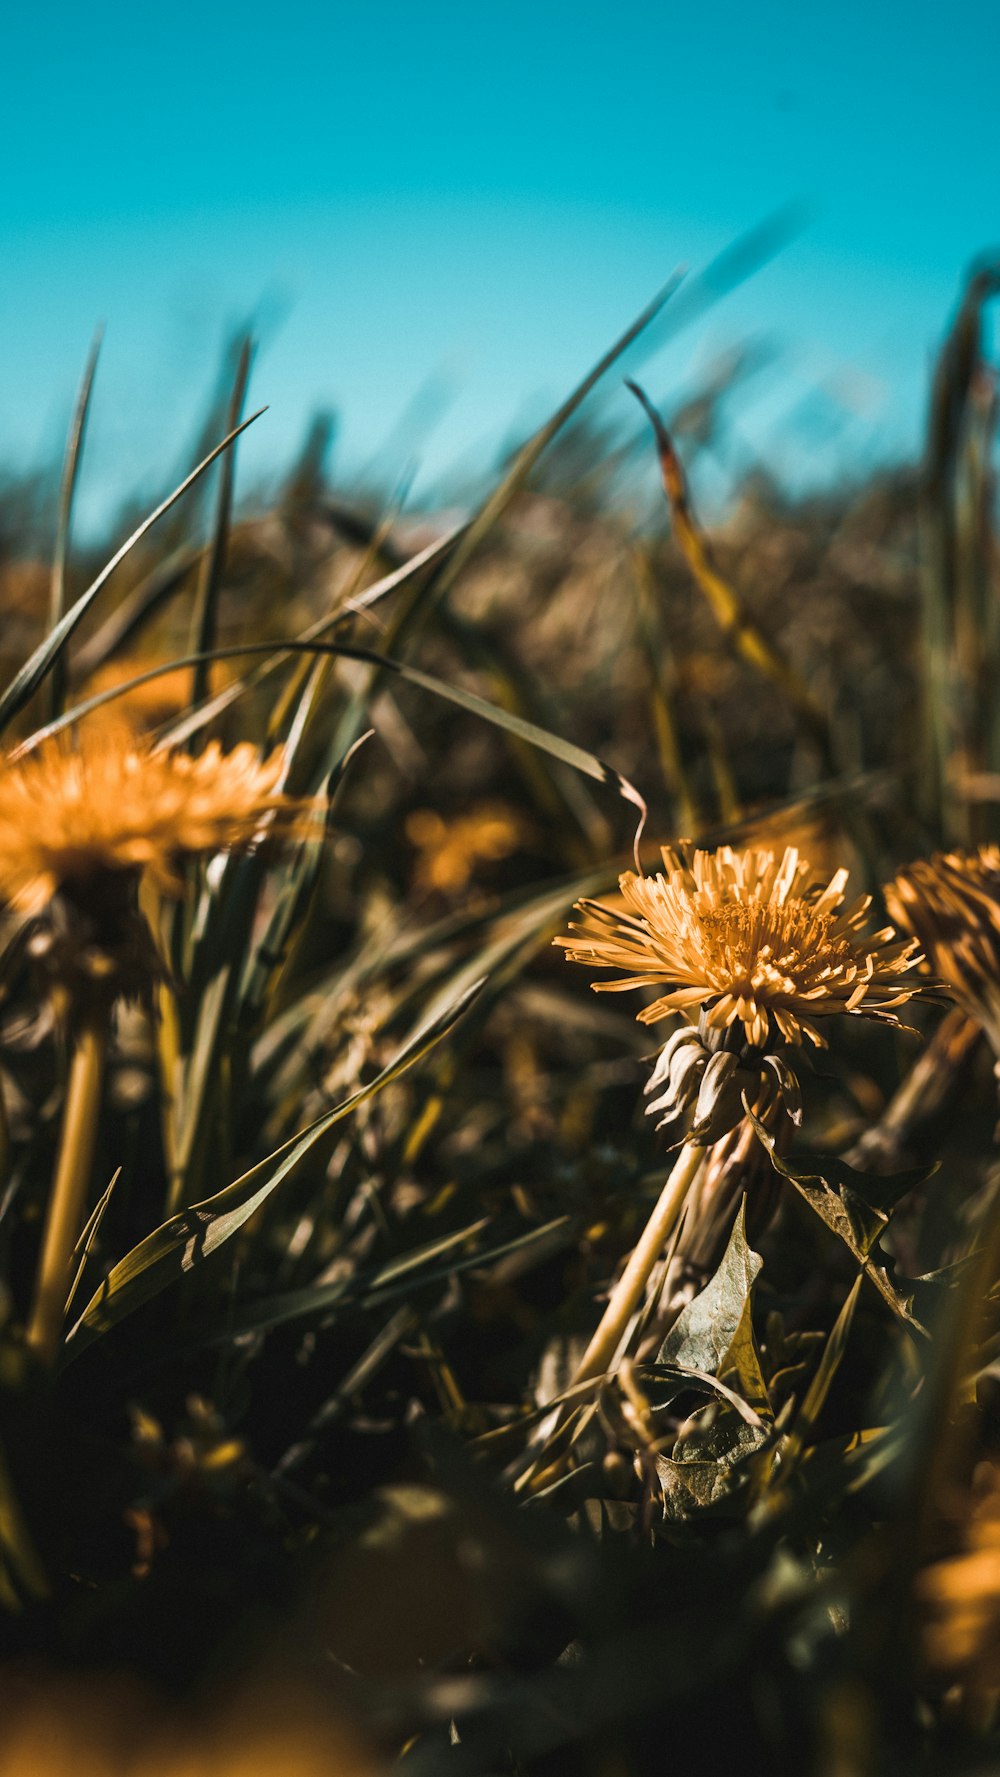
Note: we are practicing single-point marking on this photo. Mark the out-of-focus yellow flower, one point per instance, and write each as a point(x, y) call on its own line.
point(110, 1729)
point(748, 937)
point(451, 852)
point(951, 903)
point(960, 1596)
point(160, 698)
point(71, 814)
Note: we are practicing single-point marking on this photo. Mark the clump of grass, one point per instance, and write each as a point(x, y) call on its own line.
point(352, 1348)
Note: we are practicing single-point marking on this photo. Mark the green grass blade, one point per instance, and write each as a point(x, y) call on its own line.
point(566, 750)
point(181, 728)
point(67, 491)
point(186, 1240)
point(124, 623)
point(204, 618)
point(26, 682)
point(434, 1262)
point(526, 458)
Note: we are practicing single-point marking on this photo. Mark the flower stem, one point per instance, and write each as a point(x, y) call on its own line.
point(69, 1190)
point(627, 1291)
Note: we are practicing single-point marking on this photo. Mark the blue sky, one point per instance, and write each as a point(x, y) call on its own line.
point(473, 201)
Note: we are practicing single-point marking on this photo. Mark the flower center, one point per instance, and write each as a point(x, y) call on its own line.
point(768, 950)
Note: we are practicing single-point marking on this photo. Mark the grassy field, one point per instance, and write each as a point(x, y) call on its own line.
point(382, 1385)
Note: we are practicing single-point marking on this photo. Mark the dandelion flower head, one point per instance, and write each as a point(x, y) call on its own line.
point(70, 812)
point(951, 904)
point(748, 937)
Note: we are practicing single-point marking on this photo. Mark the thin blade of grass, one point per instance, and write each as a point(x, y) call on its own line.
point(204, 617)
point(123, 624)
point(570, 754)
point(67, 490)
point(82, 1250)
point(788, 1451)
point(35, 669)
point(528, 455)
point(737, 623)
point(186, 1240)
point(181, 728)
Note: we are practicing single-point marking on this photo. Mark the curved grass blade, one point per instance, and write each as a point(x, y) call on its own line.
point(735, 619)
point(425, 1265)
point(203, 623)
point(67, 490)
point(186, 1240)
point(26, 682)
point(566, 750)
point(181, 728)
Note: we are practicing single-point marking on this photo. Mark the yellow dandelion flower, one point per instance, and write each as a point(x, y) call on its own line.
point(157, 699)
point(746, 937)
point(71, 814)
point(960, 1595)
point(452, 851)
point(951, 904)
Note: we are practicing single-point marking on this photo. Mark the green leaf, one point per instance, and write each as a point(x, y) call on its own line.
point(186, 1240)
point(848, 1202)
point(714, 1333)
point(709, 1466)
